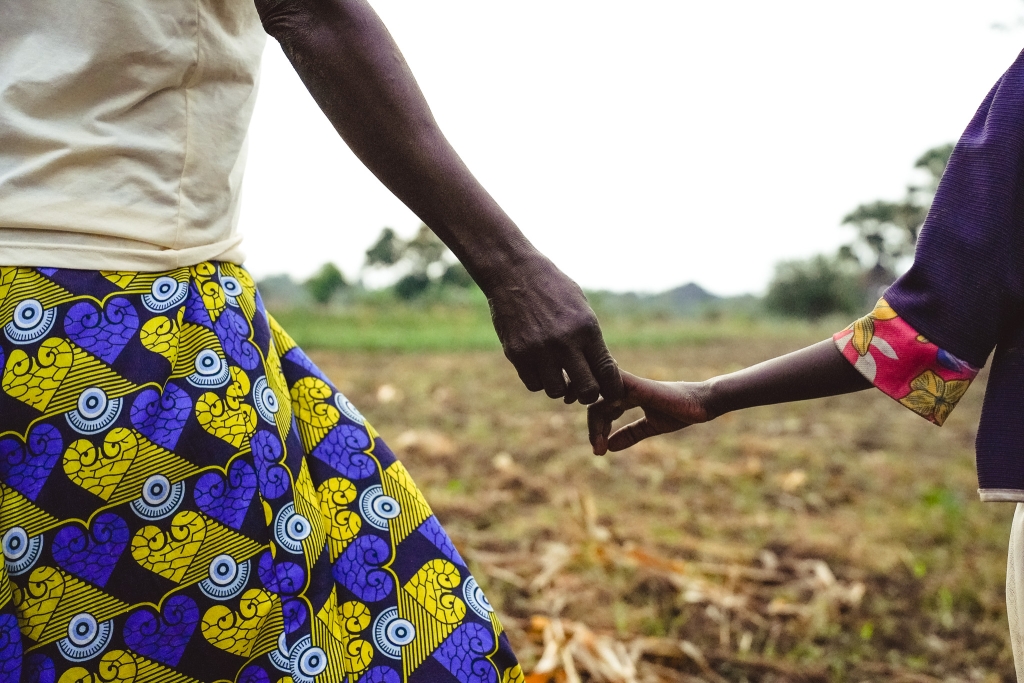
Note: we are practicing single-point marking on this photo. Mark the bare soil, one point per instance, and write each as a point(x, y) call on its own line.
point(836, 540)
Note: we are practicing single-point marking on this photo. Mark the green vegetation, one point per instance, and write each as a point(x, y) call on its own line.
point(465, 325)
point(885, 237)
point(815, 288)
point(325, 283)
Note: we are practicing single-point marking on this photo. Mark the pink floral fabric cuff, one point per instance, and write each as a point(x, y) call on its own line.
point(904, 365)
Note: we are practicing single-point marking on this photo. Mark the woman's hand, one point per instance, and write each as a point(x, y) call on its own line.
point(667, 406)
point(355, 72)
point(546, 326)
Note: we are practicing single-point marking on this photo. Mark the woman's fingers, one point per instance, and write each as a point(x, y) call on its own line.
point(553, 378)
point(582, 381)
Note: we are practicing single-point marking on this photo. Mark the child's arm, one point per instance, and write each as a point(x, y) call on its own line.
point(816, 371)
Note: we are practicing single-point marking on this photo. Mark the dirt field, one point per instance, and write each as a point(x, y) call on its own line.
point(835, 540)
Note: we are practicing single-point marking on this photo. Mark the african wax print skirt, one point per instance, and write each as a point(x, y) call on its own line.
point(186, 497)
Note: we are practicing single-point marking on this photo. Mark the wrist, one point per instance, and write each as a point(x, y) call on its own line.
point(712, 398)
point(508, 266)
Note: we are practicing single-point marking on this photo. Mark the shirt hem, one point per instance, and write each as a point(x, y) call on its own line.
point(1001, 495)
point(88, 257)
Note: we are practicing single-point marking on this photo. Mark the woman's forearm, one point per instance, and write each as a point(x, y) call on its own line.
point(813, 372)
point(355, 72)
point(351, 65)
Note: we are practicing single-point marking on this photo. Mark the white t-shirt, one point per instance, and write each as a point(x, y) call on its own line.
point(122, 130)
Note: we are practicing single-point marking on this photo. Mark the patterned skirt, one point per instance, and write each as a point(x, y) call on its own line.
point(185, 497)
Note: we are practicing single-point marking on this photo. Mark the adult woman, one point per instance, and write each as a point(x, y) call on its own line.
point(184, 495)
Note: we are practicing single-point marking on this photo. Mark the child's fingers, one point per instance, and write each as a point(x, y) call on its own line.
point(597, 429)
point(600, 416)
point(631, 434)
point(651, 424)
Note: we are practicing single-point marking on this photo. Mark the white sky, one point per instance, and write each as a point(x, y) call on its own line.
point(646, 144)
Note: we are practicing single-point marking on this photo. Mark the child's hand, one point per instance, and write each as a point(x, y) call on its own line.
point(667, 406)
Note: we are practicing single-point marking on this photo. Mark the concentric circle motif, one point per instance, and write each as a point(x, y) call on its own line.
point(20, 551)
point(95, 412)
point(291, 529)
point(306, 661)
point(476, 599)
point(347, 409)
point(226, 578)
point(159, 497)
point(279, 657)
point(31, 322)
point(211, 370)
point(377, 508)
point(165, 294)
point(232, 289)
point(265, 399)
point(391, 633)
point(86, 637)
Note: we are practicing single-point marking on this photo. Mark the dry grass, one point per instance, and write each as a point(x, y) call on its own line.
point(833, 540)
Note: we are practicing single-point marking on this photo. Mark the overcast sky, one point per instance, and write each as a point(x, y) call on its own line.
point(646, 144)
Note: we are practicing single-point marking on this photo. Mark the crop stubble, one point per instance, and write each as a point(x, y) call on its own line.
point(839, 539)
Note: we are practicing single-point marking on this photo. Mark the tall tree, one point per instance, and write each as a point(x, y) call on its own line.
point(888, 230)
point(424, 258)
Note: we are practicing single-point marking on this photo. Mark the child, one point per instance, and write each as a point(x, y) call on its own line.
point(926, 338)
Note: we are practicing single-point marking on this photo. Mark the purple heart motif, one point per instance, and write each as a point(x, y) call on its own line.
point(104, 333)
point(162, 417)
point(359, 569)
point(10, 648)
point(92, 556)
point(26, 466)
point(38, 669)
point(283, 578)
point(233, 331)
point(195, 309)
point(464, 654)
point(163, 637)
point(294, 614)
point(273, 477)
point(434, 533)
point(253, 674)
point(227, 499)
point(380, 674)
point(343, 448)
point(297, 356)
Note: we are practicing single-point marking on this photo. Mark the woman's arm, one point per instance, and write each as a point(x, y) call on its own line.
point(356, 73)
point(813, 372)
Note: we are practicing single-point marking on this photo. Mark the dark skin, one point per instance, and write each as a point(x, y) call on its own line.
point(813, 372)
point(350, 64)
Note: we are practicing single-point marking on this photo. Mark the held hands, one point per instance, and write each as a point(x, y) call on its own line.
point(546, 326)
point(667, 406)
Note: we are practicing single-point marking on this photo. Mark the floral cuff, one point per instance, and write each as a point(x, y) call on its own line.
point(904, 365)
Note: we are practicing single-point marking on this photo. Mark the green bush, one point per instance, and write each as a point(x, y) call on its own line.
point(325, 283)
point(815, 288)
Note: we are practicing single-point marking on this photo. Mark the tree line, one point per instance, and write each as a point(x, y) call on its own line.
point(885, 234)
point(422, 264)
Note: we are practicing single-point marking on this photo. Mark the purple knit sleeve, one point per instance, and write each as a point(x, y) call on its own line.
point(965, 290)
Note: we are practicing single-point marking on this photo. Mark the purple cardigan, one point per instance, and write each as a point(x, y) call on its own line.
point(965, 290)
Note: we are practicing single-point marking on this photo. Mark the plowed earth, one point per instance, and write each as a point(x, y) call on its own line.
point(833, 540)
